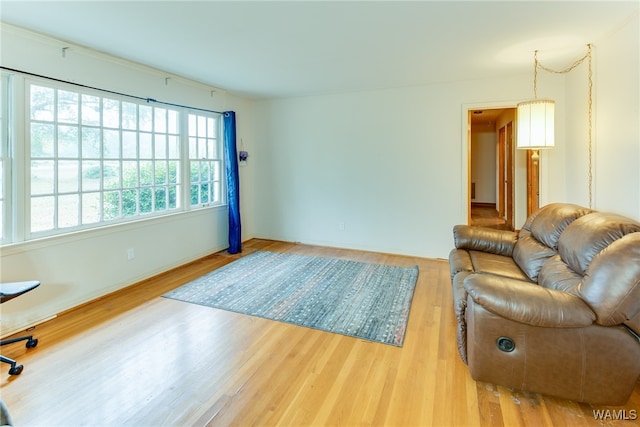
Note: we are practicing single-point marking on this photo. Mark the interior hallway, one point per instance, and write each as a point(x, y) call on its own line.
point(486, 215)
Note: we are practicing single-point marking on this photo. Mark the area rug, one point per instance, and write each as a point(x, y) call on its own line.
point(369, 301)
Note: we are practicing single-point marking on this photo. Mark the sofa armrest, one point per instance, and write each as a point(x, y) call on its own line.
point(528, 303)
point(500, 242)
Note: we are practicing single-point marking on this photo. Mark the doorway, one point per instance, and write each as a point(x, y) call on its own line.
point(492, 167)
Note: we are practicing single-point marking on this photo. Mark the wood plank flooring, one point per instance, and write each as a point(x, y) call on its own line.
point(134, 358)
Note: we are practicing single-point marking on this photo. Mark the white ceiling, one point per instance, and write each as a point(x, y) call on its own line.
point(279, 49)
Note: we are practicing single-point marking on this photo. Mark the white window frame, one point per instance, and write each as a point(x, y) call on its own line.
point(17, 219)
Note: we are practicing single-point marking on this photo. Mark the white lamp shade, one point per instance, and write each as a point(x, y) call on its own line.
point(535, 124)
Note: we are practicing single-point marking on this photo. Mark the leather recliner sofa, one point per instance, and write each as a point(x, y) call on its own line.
point(553, 308)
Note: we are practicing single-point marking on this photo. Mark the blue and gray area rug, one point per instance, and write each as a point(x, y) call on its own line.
point(369, 301)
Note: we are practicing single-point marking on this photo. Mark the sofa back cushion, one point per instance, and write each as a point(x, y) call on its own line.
point(611, 285)
point(590, 234)
point(539, 237)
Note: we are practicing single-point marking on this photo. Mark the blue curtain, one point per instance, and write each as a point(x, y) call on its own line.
point(233, 182)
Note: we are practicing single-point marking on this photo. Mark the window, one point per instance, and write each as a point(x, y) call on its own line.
point(96, 159)
point(204, 160)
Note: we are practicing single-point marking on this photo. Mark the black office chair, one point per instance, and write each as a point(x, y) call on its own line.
point(9, 291)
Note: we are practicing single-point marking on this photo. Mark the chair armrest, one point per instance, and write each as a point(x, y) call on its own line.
point(528, 303)
point(500, 242)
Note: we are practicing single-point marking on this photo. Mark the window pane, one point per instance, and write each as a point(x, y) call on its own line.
point(42, 209)
point(211, 127)
point(202, 148)
point(146, 200)
point(41, 140)
point(160, 146)
point(215, 171)
point(193, 128)
point(68, 209)
point(212, 152)
point(68, 176)
point(160, 199)
point(204, 171)
point(67, 107)
point(146, 173)
point(129, 116)
point(90, 110)
point(173, 197)
point(172, 122)
point(202, 126)
point(193, 148)
point(91, 175)
point(90, 208)
point(129, 174)
point(110, 174)
point(160, 120)
point(129, 145)
point(42, 173)
point(160, 173)
point(42, 102)
point(68, 141)
point(110, 113)
point(145, 117)
point(204, 193)
point(91, 143)
point(174, 172)
point(195, 195)
point(174, 147)
point(146, 148)
point(111, 144)
point(129, 202)
point(195, 172)
point(111, 205)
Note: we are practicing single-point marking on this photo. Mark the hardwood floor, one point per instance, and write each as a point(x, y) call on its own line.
point(134, 358)
point(485, 215)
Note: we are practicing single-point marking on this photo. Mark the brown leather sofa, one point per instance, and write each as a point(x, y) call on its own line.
point(553, 308)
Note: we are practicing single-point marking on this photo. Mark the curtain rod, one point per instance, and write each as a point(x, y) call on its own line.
point(148, 100)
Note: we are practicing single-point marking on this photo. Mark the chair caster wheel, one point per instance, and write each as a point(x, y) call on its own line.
point(16, 370)
point(32, 343)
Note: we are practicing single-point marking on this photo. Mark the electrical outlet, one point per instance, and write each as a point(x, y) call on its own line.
point(131, 254)
point(341, 226)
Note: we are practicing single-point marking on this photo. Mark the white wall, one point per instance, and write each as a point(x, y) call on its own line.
point(617, 121)
point(616, 126)
point(389, 164)
point(77, 268)
point(392, 164)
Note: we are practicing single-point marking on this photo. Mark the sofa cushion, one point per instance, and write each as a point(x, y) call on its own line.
point(588, 235)
point(530, 255)
point(551, 221)
point(611, 285)
point(556, 274)
point(496, 264)
point(538, 240)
